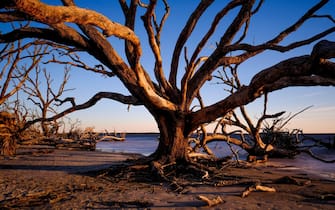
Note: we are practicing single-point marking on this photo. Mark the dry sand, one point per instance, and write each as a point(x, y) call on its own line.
point(57, 179)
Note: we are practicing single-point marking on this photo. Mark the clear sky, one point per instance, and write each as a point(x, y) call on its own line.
point(274, 16)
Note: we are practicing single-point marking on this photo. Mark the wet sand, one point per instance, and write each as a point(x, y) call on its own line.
point(56, 179)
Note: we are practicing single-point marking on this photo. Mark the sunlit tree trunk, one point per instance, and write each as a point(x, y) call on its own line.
point(173, 142)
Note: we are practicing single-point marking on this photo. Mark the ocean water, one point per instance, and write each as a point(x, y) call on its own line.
point(146, 144)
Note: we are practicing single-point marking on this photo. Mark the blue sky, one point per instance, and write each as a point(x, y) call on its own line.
point(273, 17)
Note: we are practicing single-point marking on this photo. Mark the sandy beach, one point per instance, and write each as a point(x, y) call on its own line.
point(46, 178)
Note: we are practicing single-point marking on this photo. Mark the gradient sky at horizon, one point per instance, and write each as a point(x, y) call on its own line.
point(273, 17)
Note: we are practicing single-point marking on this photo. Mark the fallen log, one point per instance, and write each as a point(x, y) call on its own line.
point(256, 187)
point(211, 202)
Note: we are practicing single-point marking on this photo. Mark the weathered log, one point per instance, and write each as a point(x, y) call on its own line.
point(211, 202)
point(256, 187)
point(111, 138)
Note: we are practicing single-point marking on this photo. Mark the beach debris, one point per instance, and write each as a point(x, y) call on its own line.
point(111, 138)
point(198, 155)
point(177, 187)
point(107, 136)
point(257, 159)
point(256, 187)
point(210, 202)
point(79, 144)
point(206, 175)
point(65, 144)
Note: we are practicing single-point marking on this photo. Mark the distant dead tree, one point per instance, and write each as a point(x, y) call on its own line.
point(170, 92)
point(74, 130)
point(43, 93)
point(17, 60)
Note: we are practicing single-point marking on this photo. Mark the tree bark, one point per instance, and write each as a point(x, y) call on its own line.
point(173, 142)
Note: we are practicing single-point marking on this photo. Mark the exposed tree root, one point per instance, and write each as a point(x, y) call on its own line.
point(256, 187)
point(211, 202)
point(177, 177)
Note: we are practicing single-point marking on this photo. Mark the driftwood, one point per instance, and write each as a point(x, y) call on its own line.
point(256, 187)
point(69, 144)
point(257, 159)
point(198, 155)
point(111, 138)
point(211, 202)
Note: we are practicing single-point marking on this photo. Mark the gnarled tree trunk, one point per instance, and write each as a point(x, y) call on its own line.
point(173, 141)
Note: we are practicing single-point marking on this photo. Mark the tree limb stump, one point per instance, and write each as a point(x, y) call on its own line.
point(256, 187)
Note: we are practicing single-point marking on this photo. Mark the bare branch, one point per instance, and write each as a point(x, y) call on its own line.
point(92, 101)
point(130, 15)
point(297, 24)
point(212, 63)
point(298, 71)
point(325, 16)
point(187, 30)
point(35, 102)
point(15, 73)
point(70, 99)
point(135, 78)
point(214, 25)
point(77, 62)
point(154, 40)
point(75, 39)
point(12, 16)
point(293, 116)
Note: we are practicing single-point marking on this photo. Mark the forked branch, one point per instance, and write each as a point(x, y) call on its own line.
point(92, 101)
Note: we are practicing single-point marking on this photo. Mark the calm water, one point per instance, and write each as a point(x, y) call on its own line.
point(146, 144)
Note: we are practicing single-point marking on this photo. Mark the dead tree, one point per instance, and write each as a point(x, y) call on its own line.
point(14, 115)
point(45, 98)
point(170, 92)
point(17, 60)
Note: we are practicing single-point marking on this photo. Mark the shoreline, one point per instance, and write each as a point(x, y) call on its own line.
point(57, 179)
